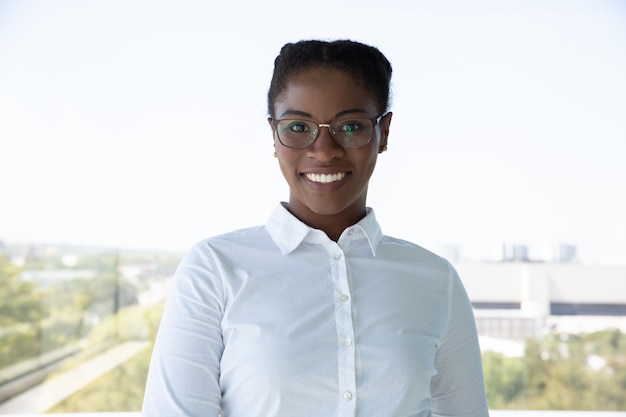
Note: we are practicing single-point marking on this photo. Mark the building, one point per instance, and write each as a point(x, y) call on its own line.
point(519, 300)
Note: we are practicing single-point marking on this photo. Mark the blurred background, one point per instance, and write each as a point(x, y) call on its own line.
point(131, 129)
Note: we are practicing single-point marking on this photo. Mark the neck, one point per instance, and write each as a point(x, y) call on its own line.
point(331, 224)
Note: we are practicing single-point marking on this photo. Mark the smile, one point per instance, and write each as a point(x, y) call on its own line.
point(325, 178)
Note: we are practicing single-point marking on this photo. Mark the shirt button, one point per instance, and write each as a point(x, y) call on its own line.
point(337, 256)
point(347, 343)
point(350, 232)
point(343, 298)
point(347, 395)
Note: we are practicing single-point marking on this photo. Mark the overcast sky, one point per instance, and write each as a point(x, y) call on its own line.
point(143, 123)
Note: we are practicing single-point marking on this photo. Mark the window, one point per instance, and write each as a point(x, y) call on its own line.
point(122, 143)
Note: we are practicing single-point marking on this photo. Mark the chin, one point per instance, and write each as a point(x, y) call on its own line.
point(329, 209)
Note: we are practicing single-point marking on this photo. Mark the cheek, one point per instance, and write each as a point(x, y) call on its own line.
point(282, 166)
point(368, 159)
point(287, 163)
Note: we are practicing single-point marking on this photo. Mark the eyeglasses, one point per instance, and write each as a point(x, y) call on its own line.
point(348, 133)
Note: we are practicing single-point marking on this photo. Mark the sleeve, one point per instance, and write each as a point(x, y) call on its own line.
point(458, 388)
point(183, 379)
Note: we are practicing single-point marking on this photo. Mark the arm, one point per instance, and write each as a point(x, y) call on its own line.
point(458, 389)
point(183, 379)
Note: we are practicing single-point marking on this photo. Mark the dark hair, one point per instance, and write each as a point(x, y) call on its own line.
point(363, 62)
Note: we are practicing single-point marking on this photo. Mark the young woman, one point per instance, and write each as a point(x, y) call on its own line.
point(318, 313)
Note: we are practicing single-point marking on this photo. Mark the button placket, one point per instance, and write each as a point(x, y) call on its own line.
point(345, 332)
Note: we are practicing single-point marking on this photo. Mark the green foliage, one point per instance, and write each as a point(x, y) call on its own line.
point(504, 379)
point(561, 372)
point(106, 261)
point(118, 390)
point(20, 312)
point(35, 319)
point(18, 342)
point(122, 388)
point(131, 323)
point(20, 301)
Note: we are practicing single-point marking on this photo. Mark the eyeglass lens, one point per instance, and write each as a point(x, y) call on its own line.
point(349, 133)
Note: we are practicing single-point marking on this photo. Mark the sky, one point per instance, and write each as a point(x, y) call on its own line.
point(142, 124)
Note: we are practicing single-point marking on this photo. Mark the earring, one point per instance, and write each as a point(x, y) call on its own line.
point(384, 148)
point(275, 154)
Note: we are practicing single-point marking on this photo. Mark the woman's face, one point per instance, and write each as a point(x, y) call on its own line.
point(323, 95)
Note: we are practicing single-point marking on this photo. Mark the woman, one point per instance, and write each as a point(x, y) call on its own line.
point(317, 313)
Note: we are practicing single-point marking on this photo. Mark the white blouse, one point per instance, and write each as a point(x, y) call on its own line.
point(282, 321)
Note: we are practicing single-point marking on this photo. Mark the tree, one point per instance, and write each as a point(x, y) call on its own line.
point(20, 301)
point(504, 379)
point(561, 372)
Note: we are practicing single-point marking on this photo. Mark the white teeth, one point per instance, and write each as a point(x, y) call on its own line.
point(326, 178)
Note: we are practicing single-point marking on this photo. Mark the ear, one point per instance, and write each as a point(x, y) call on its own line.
point(385, 123)
point(270, 122)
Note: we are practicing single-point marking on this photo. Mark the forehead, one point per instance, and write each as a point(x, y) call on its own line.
point(323, 92)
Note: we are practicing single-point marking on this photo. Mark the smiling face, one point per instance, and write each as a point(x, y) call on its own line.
point(327, 182)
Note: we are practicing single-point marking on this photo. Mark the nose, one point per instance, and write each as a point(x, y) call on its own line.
point(324, 148)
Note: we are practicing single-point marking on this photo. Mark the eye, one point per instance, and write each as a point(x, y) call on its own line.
point(350, 126)
point(297, 127)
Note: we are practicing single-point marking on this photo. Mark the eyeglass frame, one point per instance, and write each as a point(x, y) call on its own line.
point(375, 121)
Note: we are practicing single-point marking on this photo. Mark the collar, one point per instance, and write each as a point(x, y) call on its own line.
point(288, 232)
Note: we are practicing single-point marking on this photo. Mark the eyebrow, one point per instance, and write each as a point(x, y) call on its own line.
point(310, 116)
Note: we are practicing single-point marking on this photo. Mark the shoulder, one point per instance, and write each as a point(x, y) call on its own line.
point(410, 252)
point(216, 257)
point(250, 236)
point(419, 264)
point(230, 244)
